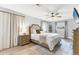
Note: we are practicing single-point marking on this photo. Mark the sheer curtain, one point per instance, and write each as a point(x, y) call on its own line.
point(16, 28)
point(21, 24)
point(4, 30)
point(1, 31)
point(9, 29)
point(45, 26)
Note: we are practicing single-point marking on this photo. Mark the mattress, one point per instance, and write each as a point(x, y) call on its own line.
point(37, 36)
point(45, 38)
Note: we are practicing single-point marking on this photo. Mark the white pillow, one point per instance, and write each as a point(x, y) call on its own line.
point(42, 32)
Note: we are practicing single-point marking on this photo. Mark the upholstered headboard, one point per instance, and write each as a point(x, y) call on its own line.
point(33, 28)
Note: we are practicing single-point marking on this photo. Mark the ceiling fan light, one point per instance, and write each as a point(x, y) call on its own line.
point(38, 4)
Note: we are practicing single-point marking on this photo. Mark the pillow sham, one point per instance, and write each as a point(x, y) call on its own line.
point(38, 31)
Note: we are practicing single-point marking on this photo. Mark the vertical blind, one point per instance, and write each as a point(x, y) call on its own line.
point(10, 28)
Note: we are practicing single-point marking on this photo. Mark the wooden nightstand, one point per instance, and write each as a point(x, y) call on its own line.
point(23, 40)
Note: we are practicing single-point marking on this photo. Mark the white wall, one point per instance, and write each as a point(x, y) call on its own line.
point(71, 26)
point(29, 21)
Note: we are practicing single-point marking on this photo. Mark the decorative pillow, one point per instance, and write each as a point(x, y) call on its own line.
point(38, 31)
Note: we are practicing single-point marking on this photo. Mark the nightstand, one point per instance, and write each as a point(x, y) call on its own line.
point(23, 40)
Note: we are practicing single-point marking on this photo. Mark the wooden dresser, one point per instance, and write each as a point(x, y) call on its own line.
point(23, 40)
point(76, 42)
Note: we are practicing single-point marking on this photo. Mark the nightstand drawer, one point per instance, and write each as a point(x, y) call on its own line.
point(23, 39)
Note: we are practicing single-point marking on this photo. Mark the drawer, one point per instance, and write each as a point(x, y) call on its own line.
point(24, 39)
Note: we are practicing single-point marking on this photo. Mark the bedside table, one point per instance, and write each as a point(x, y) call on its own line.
point(23, 40)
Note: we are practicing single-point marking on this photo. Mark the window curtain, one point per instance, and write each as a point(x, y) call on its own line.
point(13, 31)
point(45, 26)
point(20, 24)
point(4, 30)
point(16, 28)
point(10, 28)
point(1, 31)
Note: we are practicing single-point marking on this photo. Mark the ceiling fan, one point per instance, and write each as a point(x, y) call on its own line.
point(54, 15)
point(50, 13)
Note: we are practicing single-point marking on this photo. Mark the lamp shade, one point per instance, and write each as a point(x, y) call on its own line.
point(75, 14)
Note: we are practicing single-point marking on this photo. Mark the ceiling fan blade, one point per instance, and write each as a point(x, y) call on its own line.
point(48, 17)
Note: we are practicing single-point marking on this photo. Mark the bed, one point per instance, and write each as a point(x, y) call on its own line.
point(48, 40)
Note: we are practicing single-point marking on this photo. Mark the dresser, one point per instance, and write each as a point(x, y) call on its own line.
point(23, 40)
point(76, 42)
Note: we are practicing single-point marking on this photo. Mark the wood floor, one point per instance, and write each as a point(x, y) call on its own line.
point(33, 49)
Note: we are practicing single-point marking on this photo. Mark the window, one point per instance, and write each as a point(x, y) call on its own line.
point(46, 26)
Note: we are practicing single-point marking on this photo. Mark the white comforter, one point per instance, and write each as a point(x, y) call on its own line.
point(50, 38)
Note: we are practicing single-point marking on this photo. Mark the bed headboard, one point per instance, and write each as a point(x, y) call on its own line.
point(34, 27)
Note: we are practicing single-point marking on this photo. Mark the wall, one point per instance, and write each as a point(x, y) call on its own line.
point(25, 9)
point(71, 26)
point(29, 21)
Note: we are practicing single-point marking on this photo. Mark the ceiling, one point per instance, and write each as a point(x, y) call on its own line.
point(65, 10)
